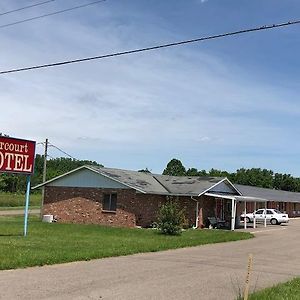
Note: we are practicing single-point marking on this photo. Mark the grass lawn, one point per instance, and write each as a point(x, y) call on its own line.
point(284, 291)
point(18, 200)
point(58, 243)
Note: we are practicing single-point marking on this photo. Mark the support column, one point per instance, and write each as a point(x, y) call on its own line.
point(233, 213)
point(265, 214)
point(254, 219)
point(245, 211)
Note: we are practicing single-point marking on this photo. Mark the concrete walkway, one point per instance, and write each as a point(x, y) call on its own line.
point(206, 272)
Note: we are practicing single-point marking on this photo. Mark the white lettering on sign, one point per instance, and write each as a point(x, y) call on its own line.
point(1, 160)
point(14, 147)
point(16, 162)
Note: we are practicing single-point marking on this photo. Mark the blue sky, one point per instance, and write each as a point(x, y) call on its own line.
point(226, 104)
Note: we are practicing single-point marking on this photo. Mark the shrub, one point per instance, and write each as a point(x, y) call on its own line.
point(170, 218)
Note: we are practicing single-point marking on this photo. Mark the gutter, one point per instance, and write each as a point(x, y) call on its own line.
point(197, 213)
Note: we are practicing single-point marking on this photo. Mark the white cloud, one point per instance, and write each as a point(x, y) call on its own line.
point(129, 109)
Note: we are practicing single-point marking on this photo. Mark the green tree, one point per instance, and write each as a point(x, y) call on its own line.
point(174, 168)
point(146, 170)
point(218, 173)
point(170, 218)
point(192, 172)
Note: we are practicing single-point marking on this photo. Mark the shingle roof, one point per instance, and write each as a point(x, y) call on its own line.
point(269, 194)
point(141, 181)
point(160, 184)
point(185, 185)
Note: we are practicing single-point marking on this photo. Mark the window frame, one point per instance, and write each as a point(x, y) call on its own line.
point(112, 207)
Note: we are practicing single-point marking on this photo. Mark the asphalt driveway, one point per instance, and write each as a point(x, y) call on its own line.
point(207, 272)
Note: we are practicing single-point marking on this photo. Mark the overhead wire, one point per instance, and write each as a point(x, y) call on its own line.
point(51, 14)
point(139, 50)
point(25, 7)
point(57, 148)
point(62, 151)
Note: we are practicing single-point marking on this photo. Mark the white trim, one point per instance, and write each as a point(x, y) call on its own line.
point(230, 197)
point(233, 208)
point(224, 179)
point(234, 187)
point(197, 212)
point(250, 199)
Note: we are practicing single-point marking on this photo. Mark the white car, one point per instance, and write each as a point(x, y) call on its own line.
point(274, 216)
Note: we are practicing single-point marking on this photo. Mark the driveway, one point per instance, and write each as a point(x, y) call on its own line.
point(207, 272)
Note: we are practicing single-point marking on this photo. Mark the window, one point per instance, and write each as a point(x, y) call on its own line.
point(109, 202)
point(269, 212)
point(259, 212)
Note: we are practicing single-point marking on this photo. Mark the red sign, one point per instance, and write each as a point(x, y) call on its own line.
point(16, 156)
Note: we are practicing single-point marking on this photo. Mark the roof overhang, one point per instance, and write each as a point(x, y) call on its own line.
point(238, 198)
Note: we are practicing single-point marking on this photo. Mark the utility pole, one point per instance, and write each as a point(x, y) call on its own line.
point(44, 176)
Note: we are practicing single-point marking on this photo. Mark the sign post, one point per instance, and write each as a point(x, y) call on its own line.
point(17, 156)
point(26, 205)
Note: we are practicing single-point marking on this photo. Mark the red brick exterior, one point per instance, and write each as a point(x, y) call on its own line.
point(84, 205)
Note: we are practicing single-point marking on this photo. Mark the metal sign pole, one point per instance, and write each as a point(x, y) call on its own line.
point(26, 204)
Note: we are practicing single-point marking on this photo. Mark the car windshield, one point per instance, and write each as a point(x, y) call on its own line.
point(277, 211)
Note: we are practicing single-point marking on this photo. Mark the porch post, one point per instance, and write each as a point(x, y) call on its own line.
point(245, 211)
point(254, 220)
point(232, 213)
point(265, 213)
point(197, 214)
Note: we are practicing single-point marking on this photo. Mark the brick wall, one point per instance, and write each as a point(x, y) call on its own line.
point(147, 207)
point(84, 205)
point(208, 206)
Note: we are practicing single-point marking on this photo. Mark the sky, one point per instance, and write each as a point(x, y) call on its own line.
point(227, 103)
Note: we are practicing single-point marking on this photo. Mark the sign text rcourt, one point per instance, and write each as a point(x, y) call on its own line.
point(16, 156)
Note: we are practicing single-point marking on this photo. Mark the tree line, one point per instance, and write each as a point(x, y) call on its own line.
point(15, 183)
point(255, 176)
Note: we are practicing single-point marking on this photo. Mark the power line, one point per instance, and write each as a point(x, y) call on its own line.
point(201, 39)
point(51, 145)
point(62, 151)
point(25, 7)
point(51, 14)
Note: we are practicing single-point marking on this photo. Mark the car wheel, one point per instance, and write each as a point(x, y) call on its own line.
point(274, 222)
point(247, 219)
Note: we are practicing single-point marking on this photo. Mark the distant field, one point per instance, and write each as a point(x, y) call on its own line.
point(58, 243)
point(18, 200)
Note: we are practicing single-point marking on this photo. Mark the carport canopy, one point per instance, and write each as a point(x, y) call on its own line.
point(245, 199)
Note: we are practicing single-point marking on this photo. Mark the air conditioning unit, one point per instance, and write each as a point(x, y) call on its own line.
point(48, 218)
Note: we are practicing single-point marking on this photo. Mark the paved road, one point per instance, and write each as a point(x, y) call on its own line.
point(205, 272)
point(18, 212)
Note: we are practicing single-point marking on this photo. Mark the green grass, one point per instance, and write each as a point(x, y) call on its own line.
point(18, 200)
point(283, 291)
point(59, 243)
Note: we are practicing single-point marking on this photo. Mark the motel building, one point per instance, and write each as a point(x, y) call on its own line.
point(115, 197)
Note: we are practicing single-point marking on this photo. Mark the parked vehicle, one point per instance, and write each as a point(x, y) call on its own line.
point(273, 216)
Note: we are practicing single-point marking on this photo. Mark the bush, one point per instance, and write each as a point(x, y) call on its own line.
point(170, 218)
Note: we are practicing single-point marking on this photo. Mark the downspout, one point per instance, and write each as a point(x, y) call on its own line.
point(197, 213)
